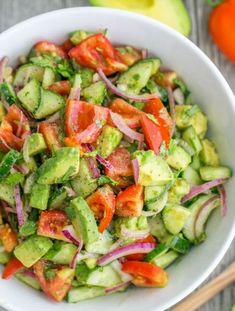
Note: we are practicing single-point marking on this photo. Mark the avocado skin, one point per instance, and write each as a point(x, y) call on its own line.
point(83, 220)
point(173, 13)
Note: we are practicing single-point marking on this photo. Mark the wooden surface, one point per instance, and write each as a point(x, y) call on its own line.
point(14, 11)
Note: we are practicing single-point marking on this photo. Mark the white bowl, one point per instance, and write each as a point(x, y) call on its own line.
point(211, 92)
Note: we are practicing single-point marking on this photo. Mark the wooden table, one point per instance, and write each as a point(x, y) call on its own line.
point(14, 11)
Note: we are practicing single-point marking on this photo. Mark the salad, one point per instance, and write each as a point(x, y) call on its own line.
point(106, 174)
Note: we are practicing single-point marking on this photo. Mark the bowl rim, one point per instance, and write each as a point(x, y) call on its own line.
point(211, 66)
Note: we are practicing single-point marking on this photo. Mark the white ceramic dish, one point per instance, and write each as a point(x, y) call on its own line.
point(216, 99)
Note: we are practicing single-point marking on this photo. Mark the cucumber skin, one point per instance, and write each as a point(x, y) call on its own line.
point(7, 162)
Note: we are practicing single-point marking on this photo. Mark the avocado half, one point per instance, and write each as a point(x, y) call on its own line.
point(170, 12)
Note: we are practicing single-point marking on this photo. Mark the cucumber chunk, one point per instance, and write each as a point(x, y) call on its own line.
point(8, 93)
point(196, 208)
point(49, 77)
point(174, 218)
point(27, 72)
point(209, 155)
point(95, 93)
point(191, 137)
point(7, 163)
point(210, 172)
point(157, 252)
point(36, 144)
point(166, 260)
point(104, 276)
point(30, 95)
point(28, 280)
point(192, 176)
point(50, 103)
point(137, 76)
point(61, 253)
point(179, 244)
point(157, 229)
point(84, 293)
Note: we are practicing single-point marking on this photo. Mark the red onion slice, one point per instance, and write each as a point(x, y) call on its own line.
point(178, 96)
point(75, 93)
point(223, 197)
point(117, 288)
point(79, 257)
point(70, 234)
point(124, 128)
point(70, 191)
point(25, 150)
point(196, 190)
point(144, 53)
point(3, 64)
point(55, 117)
point(99, 158)
point(172, 109)
point(29, 273)
point(21, 168)
point(19, 206)
point(136, 170)
point(118, 92)
point(74, 260)
point(137, 234)
point(93, 167)
point(129, 249)
point(117, 266)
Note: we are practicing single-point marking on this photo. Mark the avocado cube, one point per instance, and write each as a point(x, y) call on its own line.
point(60, 168)
point(39, 196)
point(179, 159)
point(109, 139)
point(32, 249)
point(95, 93)
point(36, 144)
point(83, 220)
point(84, 183)
point(153, 170)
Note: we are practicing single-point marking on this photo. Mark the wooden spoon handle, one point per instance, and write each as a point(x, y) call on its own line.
point(194, 301)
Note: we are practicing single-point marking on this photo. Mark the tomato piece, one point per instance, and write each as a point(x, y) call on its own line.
point(221, 27)
point(84, 121)
point(51, 136)
point(61, 87)
point(51, 224)
point(139, 257)
point(164, 121)
point(152, 134)
point(14, 129)
point(97, 52)
point(8, 238)
point(145, 274)
point(66, 46)
point(130, 202)
point(130, 114)
point(102, 203)
point(46, 47)
point(122, 167)
point(128, 55)
point(12, 267)
point(18, 121)
point(166, 79)
point(57, 286)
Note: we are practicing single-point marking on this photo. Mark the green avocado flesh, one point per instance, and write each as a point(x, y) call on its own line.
point(170, 12)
